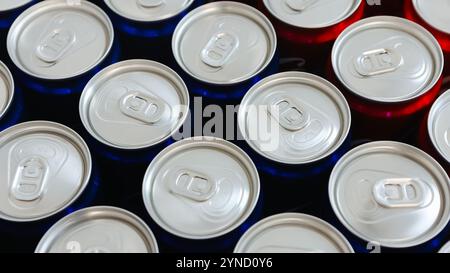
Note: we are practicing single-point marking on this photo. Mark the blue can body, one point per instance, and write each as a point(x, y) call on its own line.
point(149, 40)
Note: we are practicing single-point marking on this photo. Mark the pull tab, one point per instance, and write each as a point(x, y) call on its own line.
point(289, 115)
point(55, 45)
point(219, 49)
point(150, 3)
point(402, 193)
point(141, 107)
point(193, 185)
point(300, 5)
point(378, 61)
point(29, 180)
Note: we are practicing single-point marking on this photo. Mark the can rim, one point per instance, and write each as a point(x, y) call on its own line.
point(94, 213)
point(65, 132)
point(318, 26)
point(16, 7)
point(148, 183)
point(423, 17)
point(15, 27)
point(4, 70)
point(310, 78)
point(395, 22)
point(407, 150)
point(224, 5)
point(141, 20)
point(443, 98)
point(300, 218)
point(445, 248)
point(86, 96)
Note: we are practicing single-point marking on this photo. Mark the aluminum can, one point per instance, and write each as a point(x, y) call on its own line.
point(99, 230)
point(307, 29)
point(11, 100)
point(293, 233)
point(434, 131)
point(9, 10)
point(392, 195)
point(132, 108)
point(46, 172)
point(146, 27)
point(390, 70)
point(308, 130)
point(223, 48)
point(197, 204)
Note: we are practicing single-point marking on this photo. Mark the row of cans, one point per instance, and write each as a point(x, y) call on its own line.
point(316, 120)
point(385, 193)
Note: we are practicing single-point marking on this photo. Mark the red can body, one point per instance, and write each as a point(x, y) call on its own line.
point(310, 46)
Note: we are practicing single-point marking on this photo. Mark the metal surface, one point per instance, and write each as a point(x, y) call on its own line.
point(309, 118)
point(438, 125)
point(44, 167)
point(293, 233)
point(390, 193)
point(435, 13)
point(99, 230)
point(312, 14)
point(134, 104)
point(387, 59)
point(6, 89)
point(58, 39)
point(224, 43)
point(189, 195)
point(148, 10)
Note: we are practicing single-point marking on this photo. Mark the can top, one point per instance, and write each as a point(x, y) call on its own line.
point(134, 104)
point(445, 248)
point(293, 233)
point(435, 13)
point(224, 43)
point(387, 59)
point(44, 167)
point(99, 230)
point(7, 5)
point(58, 39)
point(308, 118)
point(310, 13)
point(390, 193)
point(6, 89)
point(190, 195)
point(438, 125)
point(148, 10)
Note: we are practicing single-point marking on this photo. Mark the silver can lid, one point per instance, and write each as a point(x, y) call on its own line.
point(387, 59)
point(438, 125)
point(134, 104)
point(293, 233)
point(390, 193)
point(445, 248)
point(6, 89)
point(148, 10)
point(44, 167)
point(99, 230)
point(310, 13)
point(7, 5)
point(58, 39)
point(435, 13)
point(308, 118)
point(189, 195)
point(224, 43)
